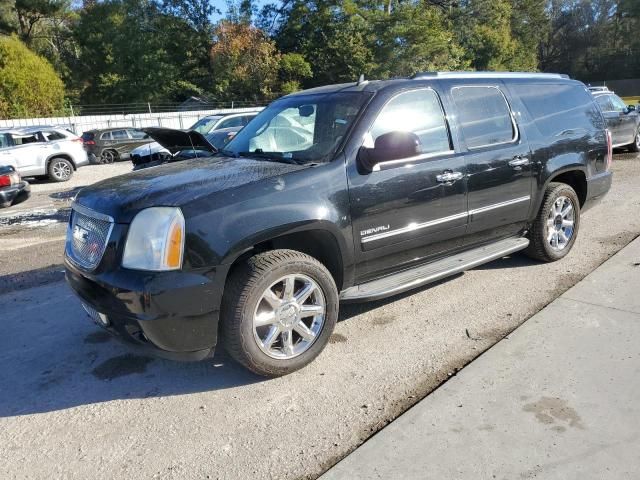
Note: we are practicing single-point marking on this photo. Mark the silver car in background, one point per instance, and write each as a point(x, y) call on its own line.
point(42, 151)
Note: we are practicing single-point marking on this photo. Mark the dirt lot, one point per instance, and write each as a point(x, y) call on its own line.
point(77, 404)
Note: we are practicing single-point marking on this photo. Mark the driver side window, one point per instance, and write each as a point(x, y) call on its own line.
point(418, 112)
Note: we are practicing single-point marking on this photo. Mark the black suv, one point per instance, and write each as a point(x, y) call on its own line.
point(343, 193)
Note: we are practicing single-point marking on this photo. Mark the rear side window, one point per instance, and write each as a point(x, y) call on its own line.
point(119, 135)
point(105, 136)
point(416, 111)
point(24, 139)
point(562, 108)
point(52, 136)
point(484, 116)
point(5, 140)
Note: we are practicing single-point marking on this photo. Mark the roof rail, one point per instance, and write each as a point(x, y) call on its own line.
point(423, 75)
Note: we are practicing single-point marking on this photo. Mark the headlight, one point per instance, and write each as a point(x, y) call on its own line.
point(155, 240)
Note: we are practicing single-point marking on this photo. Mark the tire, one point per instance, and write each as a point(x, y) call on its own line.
point(60, 169)
point(635, 146)
point(244, 303)
point(546, 228)
point(109, 156)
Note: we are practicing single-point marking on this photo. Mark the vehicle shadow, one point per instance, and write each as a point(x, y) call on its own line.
point(54, 358)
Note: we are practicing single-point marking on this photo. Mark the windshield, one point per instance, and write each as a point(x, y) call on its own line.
point(204, 125)
point(301, 128)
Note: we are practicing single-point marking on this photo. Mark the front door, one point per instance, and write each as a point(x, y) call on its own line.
point(628, 120)
point(499, 169)
point(409, 209)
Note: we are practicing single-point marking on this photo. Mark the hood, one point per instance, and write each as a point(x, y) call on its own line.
point(148, 149)
point(176, 140)
point(176, 184)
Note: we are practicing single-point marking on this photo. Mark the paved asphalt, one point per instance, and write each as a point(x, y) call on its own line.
point(558, 399)
point(77, 404)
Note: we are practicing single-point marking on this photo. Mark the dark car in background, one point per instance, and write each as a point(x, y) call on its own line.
point(12, 188)
point(112, 144)
point(623, 121)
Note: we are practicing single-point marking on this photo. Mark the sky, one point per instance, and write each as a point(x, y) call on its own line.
point(222, 6)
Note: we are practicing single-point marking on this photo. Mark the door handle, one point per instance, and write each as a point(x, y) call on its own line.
point(519, 161)
point(447, 177)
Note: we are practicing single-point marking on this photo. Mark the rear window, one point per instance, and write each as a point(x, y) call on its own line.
point(88, 136)
point(559, 109)
point(484, 116)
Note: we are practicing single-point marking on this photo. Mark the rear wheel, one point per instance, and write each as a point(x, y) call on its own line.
point(60, 169)
point(555, 229)
point(278, 311)
point(109, 156)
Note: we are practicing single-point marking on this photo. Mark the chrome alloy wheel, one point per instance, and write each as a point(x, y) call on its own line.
point(560, 223)
point(638, 140)
point(61, 170)
point(289, 316)
point(108, 156)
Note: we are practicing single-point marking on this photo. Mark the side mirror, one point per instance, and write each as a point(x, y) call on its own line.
point(631, 108)
point(394, 145)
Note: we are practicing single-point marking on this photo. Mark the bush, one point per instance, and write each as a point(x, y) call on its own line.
point(29, 86)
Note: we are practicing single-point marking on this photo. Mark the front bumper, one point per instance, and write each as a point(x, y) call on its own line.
point(168, 314)
point(15, 194)
point(597, 187)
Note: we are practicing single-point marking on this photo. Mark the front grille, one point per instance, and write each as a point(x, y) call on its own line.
point(87, 236)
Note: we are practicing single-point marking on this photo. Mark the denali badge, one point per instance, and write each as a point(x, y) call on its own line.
point(369, 231)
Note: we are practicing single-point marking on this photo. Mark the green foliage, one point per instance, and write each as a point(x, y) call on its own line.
point(29, 87)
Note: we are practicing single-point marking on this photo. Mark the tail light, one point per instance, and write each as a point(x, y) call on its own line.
point(609, 149)
point(9, 179)
point(89, 142)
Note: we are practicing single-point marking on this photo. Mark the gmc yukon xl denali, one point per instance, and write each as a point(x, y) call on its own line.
point(344, 193)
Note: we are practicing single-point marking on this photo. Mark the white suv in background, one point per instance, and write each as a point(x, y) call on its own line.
point(42, 151)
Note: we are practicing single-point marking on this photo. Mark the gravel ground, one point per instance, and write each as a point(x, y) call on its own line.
point(81, 405)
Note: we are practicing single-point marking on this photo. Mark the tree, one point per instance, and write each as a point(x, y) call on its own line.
point(29, 86)
point(132, 52)
point(293, 69)
point(244, 61)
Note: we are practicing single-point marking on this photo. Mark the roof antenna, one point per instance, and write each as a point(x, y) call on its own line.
point(361, 79)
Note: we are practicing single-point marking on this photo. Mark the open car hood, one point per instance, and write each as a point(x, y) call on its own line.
point(177, 140)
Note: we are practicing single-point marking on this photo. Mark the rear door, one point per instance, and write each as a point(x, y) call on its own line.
point(28, 153)
point(121, 142)
point(406, 211)
point(613, 119)
point(499, 169)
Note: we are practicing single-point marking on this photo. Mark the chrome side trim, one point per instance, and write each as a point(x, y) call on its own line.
point(438, 221)
point(414, 226)
point(499, 205)
point(411, 160)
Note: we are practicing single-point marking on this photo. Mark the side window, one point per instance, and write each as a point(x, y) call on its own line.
point(231, 122)
point(604, 101)
point(559, 108)
point(24, 139)
point(5, 140)
point(137, 134)
point(618, 103)
point(105, 136)
point(119, 135)
point(416, 111)
point(484, 116)
point(51, 136)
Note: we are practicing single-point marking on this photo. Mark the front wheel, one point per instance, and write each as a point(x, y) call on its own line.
point(555, 229)
point(278, 311)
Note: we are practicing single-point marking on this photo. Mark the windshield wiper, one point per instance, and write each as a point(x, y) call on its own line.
point(275, 156)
